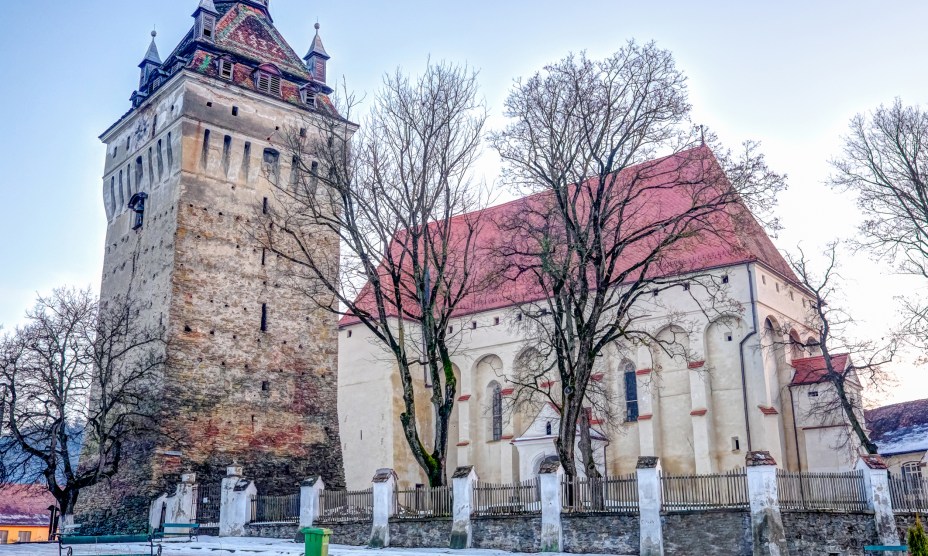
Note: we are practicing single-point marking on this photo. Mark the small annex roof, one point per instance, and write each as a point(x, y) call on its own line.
point(812, 370)
point(738, 239)
point(25, 505)
point(900, 428)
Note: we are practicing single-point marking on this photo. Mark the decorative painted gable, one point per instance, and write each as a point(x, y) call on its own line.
point(246, 32)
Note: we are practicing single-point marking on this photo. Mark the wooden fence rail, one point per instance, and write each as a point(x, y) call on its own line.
point(275, 509)
point(842, 492)
point(423, 502)
point(908, 493)
point(341, 506)
point(606, 494)
point(697, 492)
point(507, 499)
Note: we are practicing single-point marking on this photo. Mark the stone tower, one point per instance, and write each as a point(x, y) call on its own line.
point(251, 374)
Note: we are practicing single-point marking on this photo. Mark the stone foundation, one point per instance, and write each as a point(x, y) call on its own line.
point(426, 533)
point(708, 532)
point(274, 531)
point(352, 534)
point(818, 532)
point(600, 534)
point(515, 534)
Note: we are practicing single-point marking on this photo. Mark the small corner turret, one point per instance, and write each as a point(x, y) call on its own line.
point(205, 17)
point(316, 58)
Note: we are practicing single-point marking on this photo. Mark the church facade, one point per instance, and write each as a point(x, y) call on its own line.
point(251, 365)
point(734, 390)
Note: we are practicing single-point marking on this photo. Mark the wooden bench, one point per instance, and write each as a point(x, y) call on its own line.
point(190, 530)
point(76, 540)
point(886, 548)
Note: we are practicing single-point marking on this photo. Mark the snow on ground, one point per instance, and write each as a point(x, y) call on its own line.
point(215, 546)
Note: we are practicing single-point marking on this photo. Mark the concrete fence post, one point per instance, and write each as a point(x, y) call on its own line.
point(876, 487)
point(384, 492)
point(310, 493)
point(767, 530)
point(462, 489)
point(549, 478)
point(651, 538)
point(180, 507)
point(235, 502)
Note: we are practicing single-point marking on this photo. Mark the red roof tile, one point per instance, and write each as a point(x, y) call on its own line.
point(812, 370)
point(738, 238)
point(25, 505)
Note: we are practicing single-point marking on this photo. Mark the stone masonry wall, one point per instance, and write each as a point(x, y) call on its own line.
point(707, 532)
point(516, 534)
point(814, 532)
point(600, 534)
point(275, 531)
point(351, 534)
point(432, 533)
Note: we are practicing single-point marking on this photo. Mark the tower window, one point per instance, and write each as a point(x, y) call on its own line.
point(137, 205)
point(246, 159)
point(631, 392)
point(113, 195)
point(160, 161)
point(207, 26)
point(264, 317)
point(205, 158)
point(548, 428)
point(496, 400)
point(226, 152)
point(225, 69)
point(309, 98)
point(735, 444)
point(235, 110)
point(267, 83)
point(725, 279)
point(264, 206)
point(170, 152)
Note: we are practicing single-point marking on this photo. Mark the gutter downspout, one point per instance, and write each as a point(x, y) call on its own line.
point(744, 380)
point(792, 404)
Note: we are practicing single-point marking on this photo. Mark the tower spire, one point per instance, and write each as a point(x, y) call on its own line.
point(150, 63)
point(317, 57)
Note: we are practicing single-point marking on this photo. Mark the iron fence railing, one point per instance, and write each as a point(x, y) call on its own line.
point(340, 506)
point(909, 494)
point(605, 494)
point(207, 501)
point(507, 499)
point(697, 492)
point(423, 501)
point(822, 491)
point(275, 509)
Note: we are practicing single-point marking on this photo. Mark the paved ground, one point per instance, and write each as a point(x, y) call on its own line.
point(214, 546)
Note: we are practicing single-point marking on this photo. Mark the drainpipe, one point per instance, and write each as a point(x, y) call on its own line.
point(744, 378)
point(792, 405)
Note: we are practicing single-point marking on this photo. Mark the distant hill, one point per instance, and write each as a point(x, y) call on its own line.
point(26, 470)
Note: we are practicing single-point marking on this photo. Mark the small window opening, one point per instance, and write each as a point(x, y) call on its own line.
point(473, 325)
point(225, 69)
point(235, 110)
point(115, 150)
point(349, 333)
point(226, 153)
point(112, 195)
point(728, 337)
point(128, 143)
point(267, 83)
point(263, 255)
point(122, 198)
point(450, 330)
point(207, 25)
point(302, 132)
point(655, 292)
point(686, 286)
point(151, 166)
point(265, 386)
point(548, 428)
point(160, 161)
point(294, 171)
point(204, 159)
point(209, 104)
point(246, 159)
point(791, 298)
point(519, 317)
point(170, 153)
point(129, 181)
point(778, 287)
point(763, 279)
point(813, 393)
point(271, 160)
point(264, 317)
point(264, 206)
point(735, 444)
point(495, 321)
point(725, 279)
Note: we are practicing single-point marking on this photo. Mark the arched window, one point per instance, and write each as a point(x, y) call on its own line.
point(496, 408)
point(795, 346)
point(631, 391)
point(912, 471)
point(548, 428)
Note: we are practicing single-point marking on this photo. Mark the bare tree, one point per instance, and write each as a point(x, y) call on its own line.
point(399, 200)
point(77, 378)
point(624, 185)
point(885, 162)
point(849, 364)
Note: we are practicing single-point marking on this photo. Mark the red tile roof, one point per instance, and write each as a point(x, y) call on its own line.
point(737, 237)
point(812, 370)
point(25, 505)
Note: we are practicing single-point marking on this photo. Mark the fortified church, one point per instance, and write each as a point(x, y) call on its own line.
point(251, 366)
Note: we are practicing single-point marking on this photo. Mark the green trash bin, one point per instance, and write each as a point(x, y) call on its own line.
point(317, 541)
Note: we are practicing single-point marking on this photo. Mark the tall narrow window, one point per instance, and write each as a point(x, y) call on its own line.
point(264, 206)
point(271, 163)
point(225, 69)
point(496, 400)
point(226, 153)
point(264, 317)
point(170, 154)
point(129, 181)
point(122, 198)
point(246, 160)
point(112, 196)
point(294, 172)
point(207, 26)
point(160, 161)
point(204, 159)
point(151, 166)
point(631, 392)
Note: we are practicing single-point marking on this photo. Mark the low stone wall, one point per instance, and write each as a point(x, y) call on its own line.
point(515, 534)
point(427, 533)
point(906, 520)
point(818, 532)
point(708, 532)
point(600, 534)
point(274, 531)
point(352, 534)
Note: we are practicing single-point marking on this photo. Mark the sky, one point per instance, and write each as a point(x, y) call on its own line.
point(787, 74)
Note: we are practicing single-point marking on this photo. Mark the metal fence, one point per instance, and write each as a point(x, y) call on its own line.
point(340, 506)
point(423, 501)
point(909, 494)
point(842, 492)
point(606, 494)
point(697, 492)
point(275, 509)
point(507, 499)
point(207, 501)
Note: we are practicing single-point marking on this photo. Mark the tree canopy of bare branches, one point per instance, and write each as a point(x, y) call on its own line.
point(399, 201)
point(624, 186)
point(76, 380)
point(832, 321)
point(885, 162)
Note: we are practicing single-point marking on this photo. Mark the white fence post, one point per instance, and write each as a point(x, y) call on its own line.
point(462, 485)
point(235, 503)
point(766, 522)
point(549, 478)
point(651, 542)
point(179, 507)
point(876, 485)
point(384, 493)
point(310, 491)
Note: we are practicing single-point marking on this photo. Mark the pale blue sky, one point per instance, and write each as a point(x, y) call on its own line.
point(789, 74)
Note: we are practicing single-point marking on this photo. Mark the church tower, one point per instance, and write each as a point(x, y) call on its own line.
point(251, 364)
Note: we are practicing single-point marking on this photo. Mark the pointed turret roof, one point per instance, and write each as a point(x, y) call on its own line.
point(316, 48)
point(207, 6)
point(152, 56)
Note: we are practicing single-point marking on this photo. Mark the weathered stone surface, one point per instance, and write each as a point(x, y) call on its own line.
point(816, 532)
point(352, 534)
point(707, 532)
point(516, 534)
point(600, 534)
point(274, 531)
point(431, 533)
